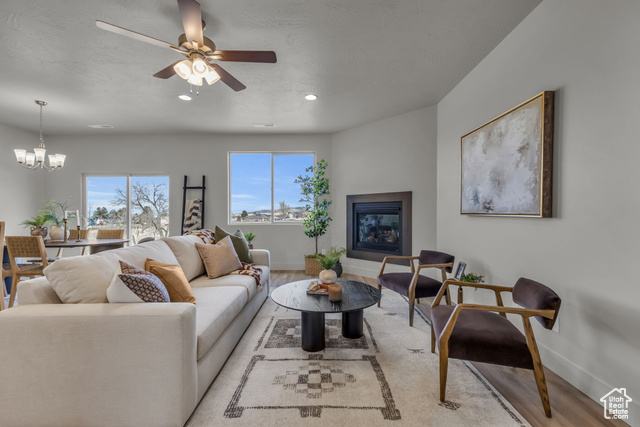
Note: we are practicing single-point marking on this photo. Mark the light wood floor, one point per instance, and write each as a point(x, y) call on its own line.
point(569, 406)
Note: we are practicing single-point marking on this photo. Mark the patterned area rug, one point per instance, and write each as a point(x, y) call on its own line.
point(389, 377)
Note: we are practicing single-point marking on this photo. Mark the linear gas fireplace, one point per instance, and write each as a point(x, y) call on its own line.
point(379, 225)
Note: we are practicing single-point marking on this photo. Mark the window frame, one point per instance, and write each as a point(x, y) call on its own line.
point(128, 176)
point(272, 153)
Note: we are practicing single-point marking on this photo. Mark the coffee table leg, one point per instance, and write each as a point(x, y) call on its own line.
point(352, 324)
point(312, 330)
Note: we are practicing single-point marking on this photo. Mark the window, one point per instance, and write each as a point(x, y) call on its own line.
point(262, 188)
point(138, 204)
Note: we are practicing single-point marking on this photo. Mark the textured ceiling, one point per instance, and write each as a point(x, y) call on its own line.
point(365, 59)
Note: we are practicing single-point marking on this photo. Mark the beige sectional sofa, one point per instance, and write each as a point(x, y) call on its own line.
point(92, 363)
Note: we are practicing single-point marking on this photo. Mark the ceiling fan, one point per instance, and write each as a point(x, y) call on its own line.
point(198, 50)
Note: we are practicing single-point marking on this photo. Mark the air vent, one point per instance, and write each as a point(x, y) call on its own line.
point(263, 125)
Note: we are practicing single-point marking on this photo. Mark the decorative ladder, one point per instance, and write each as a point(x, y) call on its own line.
point(186, 187)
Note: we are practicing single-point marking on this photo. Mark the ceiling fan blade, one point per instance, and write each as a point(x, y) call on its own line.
point(191, 20)
point(245, 55)
point(132, 34)
point(165, 73)
point(228, 79)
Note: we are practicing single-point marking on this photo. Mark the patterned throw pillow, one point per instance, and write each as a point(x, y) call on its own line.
point(219, 259)
point(207, 236)
point(136, 285)
point(239, 243)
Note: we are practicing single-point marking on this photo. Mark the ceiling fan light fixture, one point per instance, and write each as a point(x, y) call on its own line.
point(183, 68)
point(200, 67)
point(211, 77)
point(195, 80)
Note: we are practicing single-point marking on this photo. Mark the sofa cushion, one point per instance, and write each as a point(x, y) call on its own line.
point(246, 282)
point(219, 259)
point(184, 248)
point(216, 309)
point(239, 243)
point(173, 279)
point(85, 279)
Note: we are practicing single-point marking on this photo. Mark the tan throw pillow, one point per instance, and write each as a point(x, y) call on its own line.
point(173, 279)
point(219, 259)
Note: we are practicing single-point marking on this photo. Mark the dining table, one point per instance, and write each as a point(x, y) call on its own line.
point(96, 245)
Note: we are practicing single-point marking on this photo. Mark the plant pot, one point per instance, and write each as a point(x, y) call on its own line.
point(338, 268)
point(39, 231)
point(57, 233)
point(250, 245)
point(312, 267)
point(327, 276)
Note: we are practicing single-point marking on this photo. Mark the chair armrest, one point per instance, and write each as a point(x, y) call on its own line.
point(261, 257)
point(111, 364)
point(497, 289)
point(384, 262)
point(524, 312)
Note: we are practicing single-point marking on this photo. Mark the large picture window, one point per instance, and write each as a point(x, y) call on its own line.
point(139, 204)
point(262, 188)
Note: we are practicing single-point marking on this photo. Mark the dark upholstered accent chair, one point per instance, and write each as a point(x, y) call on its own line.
point(478, 333)
point(413, 284)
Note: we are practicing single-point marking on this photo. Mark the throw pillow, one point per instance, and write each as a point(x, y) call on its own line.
point(207, 236)
point(131, 269)
point(173, 279)
point(239, 243)
point(136, 288)
point(219, 259)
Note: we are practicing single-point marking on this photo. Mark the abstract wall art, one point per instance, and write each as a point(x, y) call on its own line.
point(507, 162)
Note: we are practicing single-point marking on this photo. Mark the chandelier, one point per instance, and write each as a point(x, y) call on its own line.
point(35, 160)
point(195, 69)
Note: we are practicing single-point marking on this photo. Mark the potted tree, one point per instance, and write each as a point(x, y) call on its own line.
point(314, 187)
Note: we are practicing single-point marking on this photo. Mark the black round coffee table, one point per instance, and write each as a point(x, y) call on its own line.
point(356, 296)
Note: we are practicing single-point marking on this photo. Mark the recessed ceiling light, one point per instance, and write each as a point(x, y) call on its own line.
point(184, 97)
point(101, 126)
point(263, 125)
point(311, 97)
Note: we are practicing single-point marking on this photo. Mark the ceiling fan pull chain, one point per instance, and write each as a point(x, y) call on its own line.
point(190, 89)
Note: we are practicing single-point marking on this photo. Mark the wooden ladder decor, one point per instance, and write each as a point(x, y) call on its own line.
point(186, 187)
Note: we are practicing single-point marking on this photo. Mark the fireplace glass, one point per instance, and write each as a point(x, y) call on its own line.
point(378, 227)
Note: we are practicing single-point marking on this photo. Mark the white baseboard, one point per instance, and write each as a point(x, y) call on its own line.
point(360, 271)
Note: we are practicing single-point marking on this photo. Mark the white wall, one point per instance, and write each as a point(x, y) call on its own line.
point(21, 190)
point(395, 154)
point(186, 155)
point(587, 51)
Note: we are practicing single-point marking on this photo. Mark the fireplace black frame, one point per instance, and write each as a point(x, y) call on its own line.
point(383, 200)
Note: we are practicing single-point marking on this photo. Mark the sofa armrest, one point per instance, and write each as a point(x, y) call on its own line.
point(261, 257)
point(98, 364)
point(37, 291)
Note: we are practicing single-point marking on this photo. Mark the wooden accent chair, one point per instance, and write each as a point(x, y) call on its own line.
point(6, 270)
point(413, 284)
point(479, 334)
point(25, 246)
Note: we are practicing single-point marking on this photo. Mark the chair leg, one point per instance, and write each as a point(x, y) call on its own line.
point(59, 254)
point(418, 300)
point(412, 304)
point(2, 294)
point(538, 369)
point(433, 340)
point(14, 287)
point(380, 289)
point(444, 365)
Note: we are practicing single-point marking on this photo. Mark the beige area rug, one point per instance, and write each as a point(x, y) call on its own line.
point(389, 377)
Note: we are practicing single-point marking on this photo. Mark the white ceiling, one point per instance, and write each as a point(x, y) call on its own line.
point(365, 59)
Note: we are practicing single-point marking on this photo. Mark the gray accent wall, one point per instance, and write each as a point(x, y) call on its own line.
point(587, 51)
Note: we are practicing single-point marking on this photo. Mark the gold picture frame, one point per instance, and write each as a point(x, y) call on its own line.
point(507, 163)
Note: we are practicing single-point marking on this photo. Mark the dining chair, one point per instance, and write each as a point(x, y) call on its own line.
point(107, 234)
point(414, 285)
point(482, 333)
point(73, 235)
point(20, 247)
point(6, 269)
